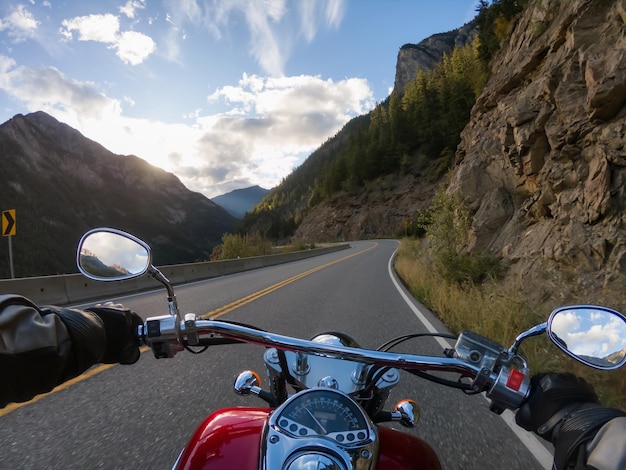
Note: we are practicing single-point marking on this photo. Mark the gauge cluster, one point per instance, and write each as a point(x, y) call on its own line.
point(324, 413)
point(322, 422)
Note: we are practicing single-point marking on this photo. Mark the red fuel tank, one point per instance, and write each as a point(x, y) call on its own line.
point(230, 439)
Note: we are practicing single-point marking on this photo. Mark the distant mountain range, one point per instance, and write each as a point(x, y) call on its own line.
point(240, 201)
point(616, 357)
point(61, 184)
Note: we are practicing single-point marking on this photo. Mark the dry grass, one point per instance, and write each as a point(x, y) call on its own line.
point(489, 310)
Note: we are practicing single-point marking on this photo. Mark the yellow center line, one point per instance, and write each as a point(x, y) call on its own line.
point(218, 312)
point(213, 314)
point(90, 373)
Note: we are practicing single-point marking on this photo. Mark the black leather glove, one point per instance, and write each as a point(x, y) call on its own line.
point(120, 325)
point(551, 394)
point(563, 409)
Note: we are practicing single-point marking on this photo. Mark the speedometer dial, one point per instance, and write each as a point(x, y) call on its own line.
point(324, 412)
point(320, 427)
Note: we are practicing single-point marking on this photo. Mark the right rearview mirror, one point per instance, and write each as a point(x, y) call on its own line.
point(593, 335)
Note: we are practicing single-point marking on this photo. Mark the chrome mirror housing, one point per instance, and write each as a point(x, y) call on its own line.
point(591, 334)
point(106, 254)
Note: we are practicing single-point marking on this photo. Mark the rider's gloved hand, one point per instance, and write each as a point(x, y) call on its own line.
point(551, 394)
point(120, 325)
point(564, 409)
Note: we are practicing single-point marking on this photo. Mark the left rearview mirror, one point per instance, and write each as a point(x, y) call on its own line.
point(107, 254)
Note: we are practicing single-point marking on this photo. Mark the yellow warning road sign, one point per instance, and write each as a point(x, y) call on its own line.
point(8, 223)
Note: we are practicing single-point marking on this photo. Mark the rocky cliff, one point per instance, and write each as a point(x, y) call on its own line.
point(379, 211)
point(542, 163)
point(426, 54)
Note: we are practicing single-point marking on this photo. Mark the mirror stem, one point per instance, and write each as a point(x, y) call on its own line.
point(171, 297)
point(534, 331)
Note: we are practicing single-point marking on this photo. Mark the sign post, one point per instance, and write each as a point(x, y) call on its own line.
point(8, 230)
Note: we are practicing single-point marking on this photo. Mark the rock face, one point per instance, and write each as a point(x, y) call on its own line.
point(379, 211)
point(428, 53)
point(542, 163)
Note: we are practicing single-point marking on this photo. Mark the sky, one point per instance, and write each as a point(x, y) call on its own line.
point(590, 332)
point(225, 94)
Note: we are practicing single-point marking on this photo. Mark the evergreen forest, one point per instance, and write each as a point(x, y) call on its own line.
point(414, 133)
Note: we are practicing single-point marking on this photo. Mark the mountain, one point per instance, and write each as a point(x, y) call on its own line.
point(240, 201)
point(539, 162)
point(61, 184)
point(381, 167)
point(94, 265)
point(427, 54)
point(542, 163)
point(616, 357)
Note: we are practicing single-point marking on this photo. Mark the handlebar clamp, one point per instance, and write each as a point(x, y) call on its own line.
point(190, 329)
point(510, 389)
point(159, 334)
point(504, 376)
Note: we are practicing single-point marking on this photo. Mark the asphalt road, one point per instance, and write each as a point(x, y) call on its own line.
point(141, 416)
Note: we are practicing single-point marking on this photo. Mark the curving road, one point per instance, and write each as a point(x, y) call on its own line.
point(141, 416)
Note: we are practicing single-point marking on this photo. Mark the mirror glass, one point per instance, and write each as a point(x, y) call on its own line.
point(593, 335)
point(112, 256)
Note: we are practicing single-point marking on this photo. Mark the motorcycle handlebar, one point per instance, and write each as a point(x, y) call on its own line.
point(167, 336)
point(163, 329)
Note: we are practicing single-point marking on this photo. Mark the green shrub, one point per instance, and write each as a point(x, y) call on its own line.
point(473, 268)
point(241, 246)
point(446, 225)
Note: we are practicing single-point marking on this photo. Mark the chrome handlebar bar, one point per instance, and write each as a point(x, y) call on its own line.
point(209, 328)
point(163, 335)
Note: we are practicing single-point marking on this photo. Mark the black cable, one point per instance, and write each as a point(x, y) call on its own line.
point(439, 380)
point(373, 376)
point(245, 325)
point(400, 339)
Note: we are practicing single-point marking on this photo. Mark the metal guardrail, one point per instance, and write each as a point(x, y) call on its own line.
point(73, 288)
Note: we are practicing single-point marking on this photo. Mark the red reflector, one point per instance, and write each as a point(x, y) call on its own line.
point(515, 380)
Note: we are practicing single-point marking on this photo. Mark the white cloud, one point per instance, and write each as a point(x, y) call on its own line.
point(565, 322)
point(335, 10)
point(99, 28)
point(131, 6)
point(271, 126)
point(185, 10)
point(6, 64)
point(20, 24)
point(49, 89)
point(590, 334)
point(302, 110)
point(313, 13)
point(131, 47)
point(271, 35)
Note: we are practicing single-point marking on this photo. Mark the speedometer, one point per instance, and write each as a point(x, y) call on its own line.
point(324, 412)
point(319, 427)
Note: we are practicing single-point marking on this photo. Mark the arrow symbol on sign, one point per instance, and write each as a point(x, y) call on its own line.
point(10, 222)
